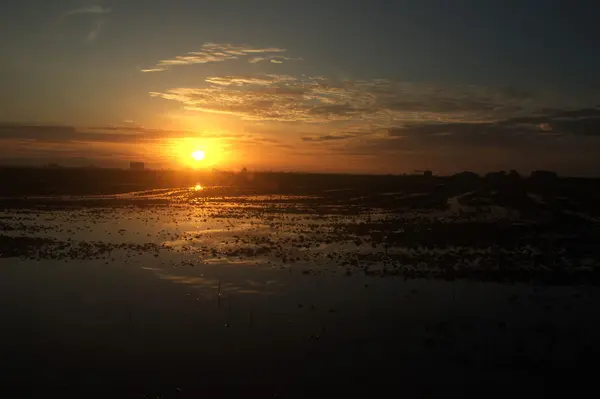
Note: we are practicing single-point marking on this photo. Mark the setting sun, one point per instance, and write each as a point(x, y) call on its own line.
point(198, 155)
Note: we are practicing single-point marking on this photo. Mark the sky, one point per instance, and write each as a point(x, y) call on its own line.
point(374, 86)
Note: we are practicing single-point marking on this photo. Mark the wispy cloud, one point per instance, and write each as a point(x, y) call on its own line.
point(98, 134)
point(430, 125)
point(95, 31)
point(263, 80)
point(426, 125)
point(321, 100)
point(88, 10)
point(153, 70)
point(212, 52)
point(328, 137)
point(128, 133)
point(114, 144)
point(98, 17)
point(274, 59)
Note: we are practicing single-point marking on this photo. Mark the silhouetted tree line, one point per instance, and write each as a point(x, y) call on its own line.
point(82, 181)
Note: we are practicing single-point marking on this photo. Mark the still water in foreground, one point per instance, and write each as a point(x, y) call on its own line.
point(271, 295)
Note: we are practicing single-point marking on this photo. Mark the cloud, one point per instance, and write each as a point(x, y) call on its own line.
point(253, 142)
point(322, 100)
point(465, 135)
point(376, 147)
point(392, 125)
point(524, 143)
point(446, 155)
point(88, 10)
point(556, 123)
point(263, 80)
point(578, 122)
point(100, 134)
point(39, 144)
point(95, 31)
point(115, 145)
point(115, 134)
point(97, 13)
point(328, 137)
point(212, 52)
point(274, 59)
point(34, 132)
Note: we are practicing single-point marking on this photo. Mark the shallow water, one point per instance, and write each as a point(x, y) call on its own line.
point(272, 295)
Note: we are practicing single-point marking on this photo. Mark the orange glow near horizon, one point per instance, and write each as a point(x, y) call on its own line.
point(197, 153)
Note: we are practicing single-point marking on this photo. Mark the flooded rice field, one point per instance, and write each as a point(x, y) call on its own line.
point(176, 292)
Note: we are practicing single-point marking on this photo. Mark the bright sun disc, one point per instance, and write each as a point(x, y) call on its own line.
point(198, 155)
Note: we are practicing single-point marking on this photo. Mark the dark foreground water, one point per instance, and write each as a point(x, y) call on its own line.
point(174, 294)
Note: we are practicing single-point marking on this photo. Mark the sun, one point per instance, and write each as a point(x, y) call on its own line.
point(195, 153)
point(198, 155)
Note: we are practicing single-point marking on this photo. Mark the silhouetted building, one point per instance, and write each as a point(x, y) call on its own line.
point(466, 175)
point(544, 175)
point(426, 173)
point(136, 165)
point(466, 179)
point(495, 176)
point(514, 175)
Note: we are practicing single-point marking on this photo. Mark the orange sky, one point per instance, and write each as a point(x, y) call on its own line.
point(383, 90)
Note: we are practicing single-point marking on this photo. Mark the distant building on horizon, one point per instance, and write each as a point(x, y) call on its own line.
point(544, 175)
point(495, 176)
point(466, 175)
point(466, 178)
point(426, 173)
point(136, 166)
